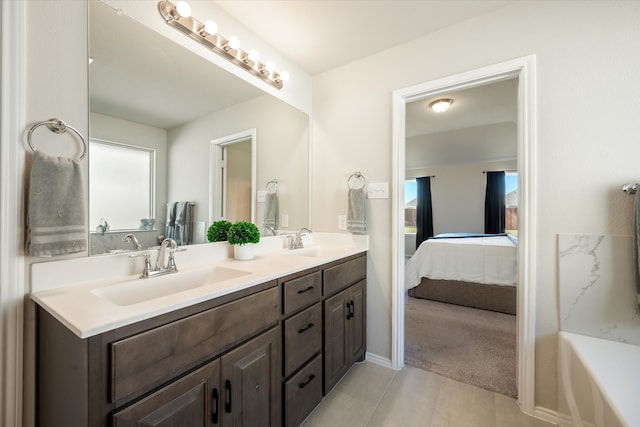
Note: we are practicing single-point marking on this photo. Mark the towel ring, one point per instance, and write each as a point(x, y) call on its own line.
point(272, 186)
point(57, 126)
point(356, 176)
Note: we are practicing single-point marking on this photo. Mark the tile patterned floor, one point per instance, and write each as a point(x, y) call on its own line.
point(372, 395)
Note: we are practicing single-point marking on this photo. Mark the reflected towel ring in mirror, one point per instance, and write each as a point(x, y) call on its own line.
point(355, 179)
point(272, 186)
point(57, 126)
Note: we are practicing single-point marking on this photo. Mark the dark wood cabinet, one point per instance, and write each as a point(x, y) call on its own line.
point(344, 319)
point(193, 400)
point(251, 383)
point(262, 356)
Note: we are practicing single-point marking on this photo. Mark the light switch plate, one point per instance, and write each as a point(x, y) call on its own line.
point(378, 190)
point(262, 195)
point(342, 222)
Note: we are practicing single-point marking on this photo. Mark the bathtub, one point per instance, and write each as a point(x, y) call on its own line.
point(599, 382)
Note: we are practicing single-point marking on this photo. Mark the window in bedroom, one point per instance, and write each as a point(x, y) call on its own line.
point(410, 203)
point(511, 202)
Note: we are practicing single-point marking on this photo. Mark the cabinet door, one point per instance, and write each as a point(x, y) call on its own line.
point(356, 320)
point(336, 353)
point(251, 383)
point(191, 401)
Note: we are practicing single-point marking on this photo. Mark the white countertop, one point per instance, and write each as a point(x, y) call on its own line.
point(80, 308)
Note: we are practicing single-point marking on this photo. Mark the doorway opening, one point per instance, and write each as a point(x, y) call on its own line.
point(524, 70)
point(232, 177)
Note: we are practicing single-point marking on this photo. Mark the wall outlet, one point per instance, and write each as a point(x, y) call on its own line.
point(285, 220)
point(342, 222)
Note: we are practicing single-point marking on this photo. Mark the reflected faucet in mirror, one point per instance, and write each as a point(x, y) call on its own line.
point(131, 238)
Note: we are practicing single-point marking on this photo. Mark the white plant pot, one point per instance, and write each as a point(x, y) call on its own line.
point(243, 252)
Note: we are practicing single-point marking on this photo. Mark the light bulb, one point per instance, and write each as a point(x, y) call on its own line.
point(441, 105)
point(183, 9)
point(270, 66)
point(285, 76)
point(234, 42)
point(253, 55)
point(210, 27)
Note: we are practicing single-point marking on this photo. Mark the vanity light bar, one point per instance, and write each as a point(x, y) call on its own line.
point(227, 48)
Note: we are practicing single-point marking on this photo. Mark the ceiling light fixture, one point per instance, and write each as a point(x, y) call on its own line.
point(441, 105)
point(179, 17)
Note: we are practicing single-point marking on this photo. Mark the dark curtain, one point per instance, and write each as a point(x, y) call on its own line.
point(494, 209)
point(424, 212)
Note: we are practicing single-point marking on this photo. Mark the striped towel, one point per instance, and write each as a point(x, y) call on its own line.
point(56, 222)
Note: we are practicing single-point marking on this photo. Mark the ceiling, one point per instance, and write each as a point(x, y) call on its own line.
point(319, 35)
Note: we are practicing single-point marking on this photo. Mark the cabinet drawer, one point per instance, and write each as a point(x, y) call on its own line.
point(140, 362)
point(303, 392)
point(301, 292)
point(343, 275)
point(302, 338)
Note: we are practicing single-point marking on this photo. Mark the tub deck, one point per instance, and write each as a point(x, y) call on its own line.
point(612, 369)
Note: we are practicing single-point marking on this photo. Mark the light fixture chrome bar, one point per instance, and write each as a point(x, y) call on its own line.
point(216, 43)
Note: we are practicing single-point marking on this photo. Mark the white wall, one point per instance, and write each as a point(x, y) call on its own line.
point(125, 132)
point(587, 133)
point(282, 153)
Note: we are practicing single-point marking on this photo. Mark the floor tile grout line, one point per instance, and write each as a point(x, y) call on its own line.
point(382, 396)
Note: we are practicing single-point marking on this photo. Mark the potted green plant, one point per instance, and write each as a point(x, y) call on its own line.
point(243, 235)
point(218, 230)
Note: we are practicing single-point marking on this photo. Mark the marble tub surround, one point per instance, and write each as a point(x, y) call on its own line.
point(68, 289)
point(597, 287)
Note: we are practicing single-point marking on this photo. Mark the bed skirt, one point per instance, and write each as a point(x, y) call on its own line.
point(503, 299)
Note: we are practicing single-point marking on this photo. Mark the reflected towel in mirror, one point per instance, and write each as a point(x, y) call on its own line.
point(180, 222)
point(56, 222)
point(270, 211)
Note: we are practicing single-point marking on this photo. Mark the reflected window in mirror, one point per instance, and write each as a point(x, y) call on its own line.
point(121, 185)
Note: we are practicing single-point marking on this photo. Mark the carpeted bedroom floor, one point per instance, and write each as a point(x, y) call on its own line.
point(473, 346)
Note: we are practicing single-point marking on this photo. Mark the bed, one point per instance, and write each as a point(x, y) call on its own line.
point(474, 270)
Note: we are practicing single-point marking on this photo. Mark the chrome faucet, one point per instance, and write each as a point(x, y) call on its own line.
point(272, 230)
point(296, 243)
point(171, 265)
point(131, 238)
point(160, 267)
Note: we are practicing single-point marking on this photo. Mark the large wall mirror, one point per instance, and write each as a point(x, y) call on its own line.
point(150, 95)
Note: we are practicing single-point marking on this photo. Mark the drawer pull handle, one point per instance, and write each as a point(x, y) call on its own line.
point(214, 406)
point(227, 404)
point(306, 328)
point(353, 309)
point(307, 381)
point(302, 291)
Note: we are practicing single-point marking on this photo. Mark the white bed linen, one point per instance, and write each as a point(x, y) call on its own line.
point(489, 260)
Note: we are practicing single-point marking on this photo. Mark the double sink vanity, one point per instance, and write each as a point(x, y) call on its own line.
point(221, 342)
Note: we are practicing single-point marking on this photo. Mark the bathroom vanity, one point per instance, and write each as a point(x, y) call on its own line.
point(262, 354)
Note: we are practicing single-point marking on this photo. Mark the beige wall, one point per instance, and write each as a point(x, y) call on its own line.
point(587, 136)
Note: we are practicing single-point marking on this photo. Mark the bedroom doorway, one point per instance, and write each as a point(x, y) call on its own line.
point(522, 72)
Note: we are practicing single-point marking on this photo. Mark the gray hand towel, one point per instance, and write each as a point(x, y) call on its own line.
point(56, 222)
point(271, 210)
point(356, 219)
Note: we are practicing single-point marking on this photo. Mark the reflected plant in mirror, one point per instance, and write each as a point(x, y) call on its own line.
point(154, 95)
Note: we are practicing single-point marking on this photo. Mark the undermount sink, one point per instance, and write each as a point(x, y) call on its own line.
point(141, 290)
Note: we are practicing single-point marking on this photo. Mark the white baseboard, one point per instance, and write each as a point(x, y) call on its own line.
point(378, 360)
